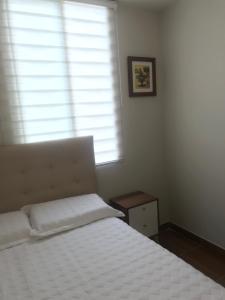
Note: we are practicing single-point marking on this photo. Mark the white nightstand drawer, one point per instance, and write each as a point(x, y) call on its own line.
point(144, 218)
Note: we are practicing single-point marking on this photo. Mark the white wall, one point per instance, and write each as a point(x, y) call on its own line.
point(143, 165)
point(194, 56)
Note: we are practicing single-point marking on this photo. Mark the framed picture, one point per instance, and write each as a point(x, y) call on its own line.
point(141, 76)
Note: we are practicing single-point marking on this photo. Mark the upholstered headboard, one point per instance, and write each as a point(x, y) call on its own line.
point(39, 172)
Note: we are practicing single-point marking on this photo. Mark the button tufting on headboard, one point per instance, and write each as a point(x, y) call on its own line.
point(40, 172)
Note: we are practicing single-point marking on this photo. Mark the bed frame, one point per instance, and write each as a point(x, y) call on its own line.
point(39, 172)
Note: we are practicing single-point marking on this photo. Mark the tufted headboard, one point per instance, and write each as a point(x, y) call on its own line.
point(32, 173)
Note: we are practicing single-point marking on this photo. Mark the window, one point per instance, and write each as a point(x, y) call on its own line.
point(64, 72)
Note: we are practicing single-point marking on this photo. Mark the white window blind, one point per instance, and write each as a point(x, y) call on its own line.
point(64, 73)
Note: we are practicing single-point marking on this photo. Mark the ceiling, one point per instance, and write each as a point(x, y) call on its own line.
point(149, 4)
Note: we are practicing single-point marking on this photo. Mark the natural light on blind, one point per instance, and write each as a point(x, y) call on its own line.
point(64, 74)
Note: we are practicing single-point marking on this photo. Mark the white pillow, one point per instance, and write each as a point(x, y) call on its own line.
point(14, 229)
point(55, 216)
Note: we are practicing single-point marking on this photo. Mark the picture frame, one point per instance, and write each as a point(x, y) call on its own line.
point(141, 76)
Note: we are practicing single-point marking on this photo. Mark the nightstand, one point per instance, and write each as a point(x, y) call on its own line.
point(141, 211)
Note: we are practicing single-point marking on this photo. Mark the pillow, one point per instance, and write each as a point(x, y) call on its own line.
point(55, 216)
point(14, 229)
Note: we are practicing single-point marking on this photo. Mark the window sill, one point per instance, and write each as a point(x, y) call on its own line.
point(110, 163)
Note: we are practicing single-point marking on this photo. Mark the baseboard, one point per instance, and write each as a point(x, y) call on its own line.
point(165, 226)
point(192, 236)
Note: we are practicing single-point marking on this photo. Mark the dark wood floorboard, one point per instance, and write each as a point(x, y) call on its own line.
point(209, 261)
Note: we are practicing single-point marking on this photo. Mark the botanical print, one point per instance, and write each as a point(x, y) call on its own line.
point(142, 76)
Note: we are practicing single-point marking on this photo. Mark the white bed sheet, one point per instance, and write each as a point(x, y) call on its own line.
point(104, 260)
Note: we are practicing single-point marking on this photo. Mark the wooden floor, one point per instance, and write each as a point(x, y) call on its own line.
point(208, 260)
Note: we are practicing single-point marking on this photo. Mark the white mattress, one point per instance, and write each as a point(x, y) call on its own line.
point(103, 260)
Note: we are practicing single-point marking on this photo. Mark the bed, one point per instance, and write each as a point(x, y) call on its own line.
point(103, 259)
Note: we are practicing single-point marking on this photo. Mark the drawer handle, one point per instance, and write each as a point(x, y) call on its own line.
point(145, 225)
point(144, 208)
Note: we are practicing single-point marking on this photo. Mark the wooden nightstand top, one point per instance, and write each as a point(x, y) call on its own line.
point(132, 200)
